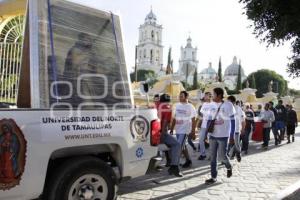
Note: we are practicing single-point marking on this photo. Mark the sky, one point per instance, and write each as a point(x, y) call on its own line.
point(217, 28)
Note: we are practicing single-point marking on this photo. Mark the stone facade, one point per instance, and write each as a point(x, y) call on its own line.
point(188, 62)
point(149, 48)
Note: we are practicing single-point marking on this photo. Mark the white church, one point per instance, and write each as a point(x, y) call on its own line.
point(188, 62)
point(149, 48)
point(150, 57)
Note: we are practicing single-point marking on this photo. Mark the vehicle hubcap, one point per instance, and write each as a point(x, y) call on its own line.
point(89, 187)
point(86, 192)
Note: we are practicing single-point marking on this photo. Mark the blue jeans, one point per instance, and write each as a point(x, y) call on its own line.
point(181, 139)
point(191, 142)
point(175, 148)
point(202, 135)
point(280, 125)
point(218, 147)
point(237, 146)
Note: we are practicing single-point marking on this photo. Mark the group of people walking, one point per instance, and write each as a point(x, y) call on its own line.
point(222, 124)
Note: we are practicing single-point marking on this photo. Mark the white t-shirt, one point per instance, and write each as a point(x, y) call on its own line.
point(205, 111)
point(184, 112)
point(222, 123)
point(240, 116)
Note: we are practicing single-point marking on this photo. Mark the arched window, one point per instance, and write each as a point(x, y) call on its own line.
point(140, 56)
point(11, 38)
point(151, 55)
point(152, 35)
point(145, 55)
point(12, 31)
point(193, 55)
point(157, 55)
point(157, 37)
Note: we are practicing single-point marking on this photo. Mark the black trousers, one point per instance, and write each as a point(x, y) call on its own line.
point(290, 129)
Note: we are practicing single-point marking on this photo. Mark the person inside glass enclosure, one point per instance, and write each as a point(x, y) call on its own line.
point(81, 68)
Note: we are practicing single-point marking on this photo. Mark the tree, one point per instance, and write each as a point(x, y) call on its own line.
point(230, 92)
point(185, 85)
point(275, 22)
point(195, 80)
point(239, 79)
point(135, 65)
point(220, 71)
point(262, 79)
point(142, 75)
point(151, 78)
point(252, 82)
point(295, 93)
point(169, 69)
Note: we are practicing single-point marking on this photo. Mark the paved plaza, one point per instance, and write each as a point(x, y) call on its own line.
point(262, 174)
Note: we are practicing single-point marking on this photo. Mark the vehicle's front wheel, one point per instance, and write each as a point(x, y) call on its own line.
point(83, 179)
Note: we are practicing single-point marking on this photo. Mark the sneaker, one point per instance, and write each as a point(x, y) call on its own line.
point(174, 170)
point(159, 168)
point(168, 163)
point(245, 152)
point(201, 157)
point(187, 164)
point(210, 181)
point(229, 173)
point(265, 148)
point(238, 157)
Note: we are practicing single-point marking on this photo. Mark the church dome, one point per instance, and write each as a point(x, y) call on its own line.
point(209, 70)
point(150, 16)
point(233, 69)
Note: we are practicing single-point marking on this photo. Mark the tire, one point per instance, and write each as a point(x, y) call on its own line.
point(85, 177)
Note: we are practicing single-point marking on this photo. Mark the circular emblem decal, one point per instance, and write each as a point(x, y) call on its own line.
point(139, 128)
point(12, 154)
point(139, 152)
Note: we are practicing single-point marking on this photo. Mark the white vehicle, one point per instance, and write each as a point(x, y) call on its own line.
point(75, 133)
